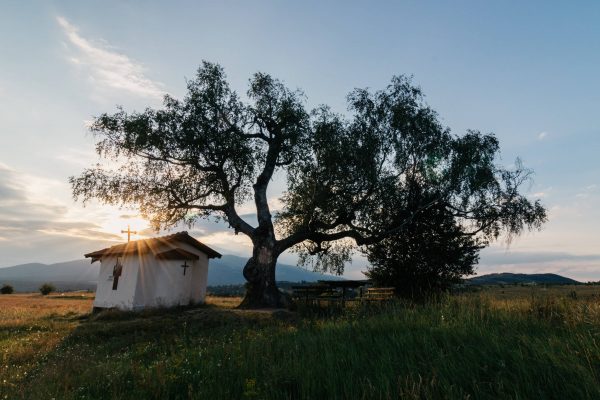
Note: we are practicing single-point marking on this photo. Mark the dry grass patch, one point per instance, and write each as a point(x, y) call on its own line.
point(31, 326)
point(223, 302)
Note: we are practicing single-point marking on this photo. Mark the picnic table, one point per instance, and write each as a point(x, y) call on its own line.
point(336, 291)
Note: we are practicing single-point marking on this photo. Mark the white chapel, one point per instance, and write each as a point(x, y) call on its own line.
point(164, 271)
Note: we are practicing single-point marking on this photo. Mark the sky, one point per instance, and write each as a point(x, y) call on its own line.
point(525, 71)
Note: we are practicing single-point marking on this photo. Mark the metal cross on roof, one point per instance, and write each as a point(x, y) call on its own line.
point(129, 232)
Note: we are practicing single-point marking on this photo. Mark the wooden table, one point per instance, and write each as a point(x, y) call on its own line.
point(327, 290)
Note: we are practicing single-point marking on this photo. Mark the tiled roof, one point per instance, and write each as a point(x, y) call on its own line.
point(152, 245)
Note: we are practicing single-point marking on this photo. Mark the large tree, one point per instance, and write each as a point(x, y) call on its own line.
point(210, 152)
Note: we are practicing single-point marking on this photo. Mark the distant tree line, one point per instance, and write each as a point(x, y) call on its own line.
point(44, 289)
point(7, 289)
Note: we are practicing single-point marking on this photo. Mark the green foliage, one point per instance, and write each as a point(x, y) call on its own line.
point(429, 255)
point(208, 153)
point(7, 289)
point(530, 345)
point(47, 288)
point(198, 156)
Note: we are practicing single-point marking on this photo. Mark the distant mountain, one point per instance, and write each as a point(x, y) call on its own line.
point(507, 278)
point(70, 275)
point(81, 275)
point(227, 270)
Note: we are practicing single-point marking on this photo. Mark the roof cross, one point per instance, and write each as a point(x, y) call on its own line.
point(129, 232)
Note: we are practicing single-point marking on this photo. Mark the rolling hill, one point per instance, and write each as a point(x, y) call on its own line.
point(81, 275)
point(507, 278)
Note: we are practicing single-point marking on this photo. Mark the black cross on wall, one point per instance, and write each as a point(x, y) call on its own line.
point(185, 266)
point(117, 271)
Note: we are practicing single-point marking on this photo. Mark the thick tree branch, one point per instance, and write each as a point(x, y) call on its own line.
point(262, 182)
point(361, 236)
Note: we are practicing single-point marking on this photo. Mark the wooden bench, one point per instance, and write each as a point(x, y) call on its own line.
point(307, 293)
point(313, 294)
point(336, 292)
point(378, 294)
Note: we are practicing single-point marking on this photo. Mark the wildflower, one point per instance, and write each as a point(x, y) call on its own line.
point(250, 388)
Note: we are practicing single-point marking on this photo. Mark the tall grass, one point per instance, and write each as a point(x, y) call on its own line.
point(470, 346)
point(31, 327)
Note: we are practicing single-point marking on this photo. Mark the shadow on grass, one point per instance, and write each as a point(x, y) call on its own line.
point(445, 350)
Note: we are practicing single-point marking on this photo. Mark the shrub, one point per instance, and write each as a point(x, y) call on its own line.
point(429, 256)
point(47, 288)
point(7, 289)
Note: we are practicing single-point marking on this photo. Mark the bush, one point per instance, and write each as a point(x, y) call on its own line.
point(47, 288)
point(7, 289)
point(429, 256)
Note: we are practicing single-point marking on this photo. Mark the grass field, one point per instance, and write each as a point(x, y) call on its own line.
point(513, 342)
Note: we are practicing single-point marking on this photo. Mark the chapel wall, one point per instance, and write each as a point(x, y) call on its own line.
point(122, 297)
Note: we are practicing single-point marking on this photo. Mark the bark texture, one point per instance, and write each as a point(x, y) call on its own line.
point(261, 288)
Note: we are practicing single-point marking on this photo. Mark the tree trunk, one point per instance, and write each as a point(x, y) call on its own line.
point(261, 289)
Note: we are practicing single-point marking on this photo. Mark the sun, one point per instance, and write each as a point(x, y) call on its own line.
point(117, 220)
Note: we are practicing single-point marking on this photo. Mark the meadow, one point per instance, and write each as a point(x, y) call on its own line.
point(512, 342)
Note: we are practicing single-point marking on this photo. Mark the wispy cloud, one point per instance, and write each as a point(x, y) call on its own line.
point(590, 190)
point(500, 257)
point(542, 192)
point(542, 135)
point(107, 67)
point(38, 224)
point(34, 225)
point(583, 267)
point(78, 157)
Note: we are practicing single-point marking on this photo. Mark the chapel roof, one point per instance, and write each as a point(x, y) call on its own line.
point(152, 245)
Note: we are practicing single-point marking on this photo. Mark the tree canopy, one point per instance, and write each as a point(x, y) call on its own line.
point(209, 153)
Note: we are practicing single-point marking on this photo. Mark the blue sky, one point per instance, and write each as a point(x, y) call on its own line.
point(527, 71)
